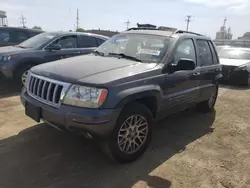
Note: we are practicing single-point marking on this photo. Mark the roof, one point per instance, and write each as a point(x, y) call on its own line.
point(76, 33)
point(21, 28)
point(151, 32)
point(103, 32)
point(166, 32)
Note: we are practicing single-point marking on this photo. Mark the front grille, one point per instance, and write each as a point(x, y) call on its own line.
point(46, 90)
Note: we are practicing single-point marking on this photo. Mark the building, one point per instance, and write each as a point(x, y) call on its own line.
point(246, 36)
point(107, 33)
point(3, 18)
point(224, 33)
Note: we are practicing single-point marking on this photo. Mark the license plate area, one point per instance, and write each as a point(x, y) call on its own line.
point(33, 111)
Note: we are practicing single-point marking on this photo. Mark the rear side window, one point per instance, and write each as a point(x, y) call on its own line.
point(21, 36)
point(215, 58)
point(204, 53)
point(100, 41)
point(185, 49)
point(4, 37)
point(87, 42)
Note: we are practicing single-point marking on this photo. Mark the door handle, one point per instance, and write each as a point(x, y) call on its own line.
point(196, 74)
point(218, 70)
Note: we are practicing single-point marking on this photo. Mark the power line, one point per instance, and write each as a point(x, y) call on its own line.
point(127, 24)
point(77, 19)
point(23, 21)
point(188, 20)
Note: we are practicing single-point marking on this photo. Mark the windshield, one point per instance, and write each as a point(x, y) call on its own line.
point(146, 48)
point(37, 41)
point(234, 53)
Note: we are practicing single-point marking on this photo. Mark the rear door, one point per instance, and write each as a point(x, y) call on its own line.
point(209, 67)
point(181, 88)
point(87, 44)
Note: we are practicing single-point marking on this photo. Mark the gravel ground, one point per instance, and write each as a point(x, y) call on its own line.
point(189, 149)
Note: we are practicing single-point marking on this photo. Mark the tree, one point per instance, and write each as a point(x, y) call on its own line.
point(37, 28)
point(80, 30)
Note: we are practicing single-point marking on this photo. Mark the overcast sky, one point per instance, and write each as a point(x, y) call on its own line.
point(208, 15)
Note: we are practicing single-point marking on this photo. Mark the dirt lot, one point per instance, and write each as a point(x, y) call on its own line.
point(188, 150)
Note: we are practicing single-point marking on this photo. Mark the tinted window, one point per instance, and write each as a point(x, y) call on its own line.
point(87, 42)
point(186, 50)
point(4, 37)
point(204, 53)
point(21, 36)
point(100, 41)
point(67, 42)
point(215, 59)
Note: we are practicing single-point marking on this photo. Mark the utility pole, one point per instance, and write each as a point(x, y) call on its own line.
point(127, 24)
point(188, 20)
point(77, 19)
point(23, 21)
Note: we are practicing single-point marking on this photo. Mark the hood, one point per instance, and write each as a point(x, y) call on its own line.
point(10, 50)
point(233, 62)
point(91, 69)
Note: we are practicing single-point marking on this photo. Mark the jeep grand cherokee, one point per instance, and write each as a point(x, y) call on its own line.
point(117, 92)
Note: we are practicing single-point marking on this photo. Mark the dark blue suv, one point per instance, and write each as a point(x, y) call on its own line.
point(116, 93)
point(15, 61)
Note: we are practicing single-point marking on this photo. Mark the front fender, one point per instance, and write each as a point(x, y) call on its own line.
point(136, 93)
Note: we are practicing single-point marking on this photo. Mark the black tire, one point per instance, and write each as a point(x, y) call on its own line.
point(207, 105)
point(19, 73)
point(111, 147)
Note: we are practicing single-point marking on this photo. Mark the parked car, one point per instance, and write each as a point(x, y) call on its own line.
point(10, 36)
point(235, 65)
point(15, 61)
point(116, 93)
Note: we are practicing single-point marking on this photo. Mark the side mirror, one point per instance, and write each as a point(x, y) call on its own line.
point(54, 47)
point(183, 64)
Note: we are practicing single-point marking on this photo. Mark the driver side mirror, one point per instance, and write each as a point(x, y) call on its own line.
point(183, 64)
point(54, 47)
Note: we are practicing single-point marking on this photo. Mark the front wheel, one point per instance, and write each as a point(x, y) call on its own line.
point(131, 135)
point(21, 75)
point(208, 105)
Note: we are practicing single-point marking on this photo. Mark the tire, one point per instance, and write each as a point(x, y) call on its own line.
point(208, 105)
point(117, 151)
point(19, 73)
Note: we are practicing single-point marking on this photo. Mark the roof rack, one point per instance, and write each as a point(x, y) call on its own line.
point(142, 28)
point(188, 32)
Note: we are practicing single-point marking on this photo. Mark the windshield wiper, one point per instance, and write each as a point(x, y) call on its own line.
point(98, 53)
point(20, 46)
point(126, 56)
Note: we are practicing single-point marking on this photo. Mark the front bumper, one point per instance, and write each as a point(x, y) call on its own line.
point(235, 77)
point(6, 68)
point(97, 122)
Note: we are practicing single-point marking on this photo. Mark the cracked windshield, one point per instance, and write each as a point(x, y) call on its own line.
point(128, 94)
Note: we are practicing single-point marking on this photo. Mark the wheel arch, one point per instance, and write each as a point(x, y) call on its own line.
point(150, 97)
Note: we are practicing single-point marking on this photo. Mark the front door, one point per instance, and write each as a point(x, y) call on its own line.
point(181, 88)
point(69, 48)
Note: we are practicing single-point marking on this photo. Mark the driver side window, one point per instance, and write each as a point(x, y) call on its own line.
point(67, 42)
point(185, 49)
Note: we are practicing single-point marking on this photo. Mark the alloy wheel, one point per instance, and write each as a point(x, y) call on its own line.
point(24, 76)
point(132, 134)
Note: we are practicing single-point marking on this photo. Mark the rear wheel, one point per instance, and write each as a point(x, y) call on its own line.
point(131, 135)
point(208, 105)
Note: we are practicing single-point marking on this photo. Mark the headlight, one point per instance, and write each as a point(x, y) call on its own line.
point(83, 96)
point(6, 58)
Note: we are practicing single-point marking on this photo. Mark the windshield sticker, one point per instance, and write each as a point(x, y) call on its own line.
point(149, 51)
